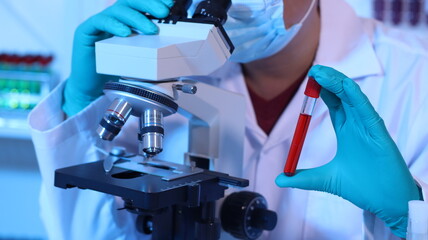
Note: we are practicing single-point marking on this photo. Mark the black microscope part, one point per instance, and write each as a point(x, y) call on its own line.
point(180, 8)
point(110, 126)
point(152, 129)
point(245, 215)
point(179, 209)
point(123, 87)
point(207, 12)
point(213, 9)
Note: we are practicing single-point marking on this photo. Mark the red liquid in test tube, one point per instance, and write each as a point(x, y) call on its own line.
point(312, 93)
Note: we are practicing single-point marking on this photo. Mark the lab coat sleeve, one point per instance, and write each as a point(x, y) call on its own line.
point(74, 213)
point(417, 149)
point(415, 152)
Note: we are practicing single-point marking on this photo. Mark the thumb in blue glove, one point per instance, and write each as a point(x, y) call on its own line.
point(84, 85)
point(368, 169)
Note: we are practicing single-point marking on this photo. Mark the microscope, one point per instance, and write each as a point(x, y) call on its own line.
point(159, 77)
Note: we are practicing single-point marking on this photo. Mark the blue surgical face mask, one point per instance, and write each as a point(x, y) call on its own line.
point(256, 28)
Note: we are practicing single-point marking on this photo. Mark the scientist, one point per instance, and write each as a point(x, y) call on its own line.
point(360, 171)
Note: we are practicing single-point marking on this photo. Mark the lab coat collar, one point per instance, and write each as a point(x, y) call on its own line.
point(345, 44)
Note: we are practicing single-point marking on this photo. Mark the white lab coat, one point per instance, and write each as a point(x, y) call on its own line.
point(391, 69)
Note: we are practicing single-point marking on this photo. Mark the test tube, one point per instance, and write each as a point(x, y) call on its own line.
point(2, 93)
point(24, 94)
point(426, 12)
point(397, 11)
point(379, 9)
point(35, 93)
point(13, 94)
point(45, 62)
point(312, 93)
point(3, 58)
point(414, 9)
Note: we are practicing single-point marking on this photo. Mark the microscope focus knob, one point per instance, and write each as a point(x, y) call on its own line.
point(245, 215)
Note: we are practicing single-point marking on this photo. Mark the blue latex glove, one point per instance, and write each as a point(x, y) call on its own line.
point(84, 85)
point(368, 169)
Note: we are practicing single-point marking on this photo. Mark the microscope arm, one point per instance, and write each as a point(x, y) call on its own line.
point(216, 127)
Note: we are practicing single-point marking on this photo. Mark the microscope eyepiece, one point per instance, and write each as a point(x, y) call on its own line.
point(114, 119)
point(213, 9)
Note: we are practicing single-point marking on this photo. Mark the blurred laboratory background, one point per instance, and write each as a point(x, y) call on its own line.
point(35, 54)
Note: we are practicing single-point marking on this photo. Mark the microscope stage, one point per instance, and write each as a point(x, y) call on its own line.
point(147, 191)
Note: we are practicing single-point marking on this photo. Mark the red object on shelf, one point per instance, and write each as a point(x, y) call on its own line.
point(11, 59)
point(2, 58)
point(28, 59)
point(45, 60)
point(25, 62)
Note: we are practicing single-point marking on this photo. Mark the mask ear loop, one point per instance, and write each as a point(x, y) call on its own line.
point(306, 14)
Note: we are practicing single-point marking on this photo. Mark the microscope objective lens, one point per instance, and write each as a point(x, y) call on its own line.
point(114, 119)
point(151, 132)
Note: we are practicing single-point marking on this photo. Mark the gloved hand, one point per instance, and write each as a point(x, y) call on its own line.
point(84, 85)
point(368, 169)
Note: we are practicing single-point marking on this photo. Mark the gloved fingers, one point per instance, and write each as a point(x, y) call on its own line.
point(168, 3)
point(307, 179)
point(330, 79)
point(335, 107)
point(364, 110)
point(133, 18)
point(156, 8)
point(103, 23)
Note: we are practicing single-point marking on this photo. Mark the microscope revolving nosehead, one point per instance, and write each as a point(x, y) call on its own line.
point(141, 98)
point(150, 106)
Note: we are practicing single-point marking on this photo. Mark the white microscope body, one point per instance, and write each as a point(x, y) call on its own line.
point(158, 78)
